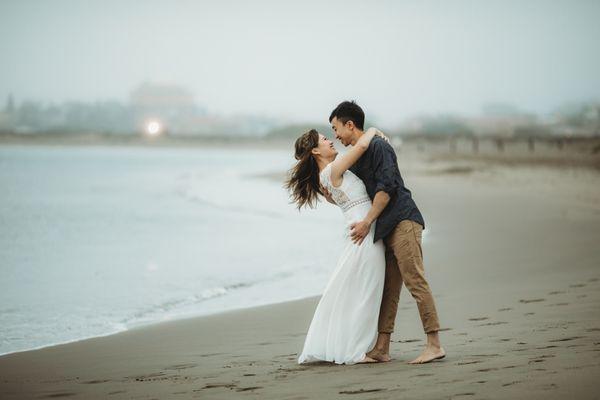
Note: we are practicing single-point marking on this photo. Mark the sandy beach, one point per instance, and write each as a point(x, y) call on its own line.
point(150, 247)
point(512, 255)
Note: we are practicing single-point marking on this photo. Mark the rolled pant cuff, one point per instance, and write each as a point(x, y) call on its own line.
point(433, 330)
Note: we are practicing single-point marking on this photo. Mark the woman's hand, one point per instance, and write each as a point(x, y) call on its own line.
point(377, 132)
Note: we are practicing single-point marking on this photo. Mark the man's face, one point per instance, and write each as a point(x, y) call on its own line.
point(343, 132)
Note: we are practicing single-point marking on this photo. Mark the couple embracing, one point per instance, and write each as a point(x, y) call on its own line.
point(355, 316)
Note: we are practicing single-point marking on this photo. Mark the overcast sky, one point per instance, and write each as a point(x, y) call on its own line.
point(298, 59)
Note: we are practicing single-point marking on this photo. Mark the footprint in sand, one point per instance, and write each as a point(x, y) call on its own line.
point(594, 280)
point(209, 355)
point(287, 355)
point(478, 318)
point(576, 285)
point(556, 292)
point(217, 385)
point(527, 301)
point(65, 394)
point(567, 339)
point(181, 366)
point(511, 383)
point(468, 362)
point(505, 309)
point(517, 350)
point(95, 381)
point(493, 323)
point(547, 356)
point(537, 360)
point(151, 377)
point(360, 391)
point(550, 386)
point(245, 389)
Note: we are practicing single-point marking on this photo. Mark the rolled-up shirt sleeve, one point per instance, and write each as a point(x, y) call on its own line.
point(385, 168)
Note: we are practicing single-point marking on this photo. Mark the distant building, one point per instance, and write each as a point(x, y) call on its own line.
point(489, 124)
point(172, 107)
point(500, 125)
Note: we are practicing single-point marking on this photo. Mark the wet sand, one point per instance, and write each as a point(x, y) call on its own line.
point(513, 258)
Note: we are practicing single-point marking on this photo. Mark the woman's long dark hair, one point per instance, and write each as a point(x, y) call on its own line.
point(303, 179)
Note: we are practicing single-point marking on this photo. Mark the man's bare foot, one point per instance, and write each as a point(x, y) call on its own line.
point(431, 353)
point(381, 350)
point(367, 359)
point(379, 355)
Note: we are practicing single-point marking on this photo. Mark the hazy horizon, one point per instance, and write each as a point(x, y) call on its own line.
point(297, 61)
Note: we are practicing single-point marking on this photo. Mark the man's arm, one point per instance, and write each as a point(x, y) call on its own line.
point(359, 230)
point(384, 165)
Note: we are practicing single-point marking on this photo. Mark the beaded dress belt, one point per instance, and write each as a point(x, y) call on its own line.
point(356, 202)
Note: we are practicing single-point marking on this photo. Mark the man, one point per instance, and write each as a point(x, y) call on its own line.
point(400, 224)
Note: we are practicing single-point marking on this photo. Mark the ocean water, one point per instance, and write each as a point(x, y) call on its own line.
point(96, 240)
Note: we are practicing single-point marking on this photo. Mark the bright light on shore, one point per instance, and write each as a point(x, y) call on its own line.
point(153, 128)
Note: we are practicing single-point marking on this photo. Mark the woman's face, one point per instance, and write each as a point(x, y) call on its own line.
point(325, 148)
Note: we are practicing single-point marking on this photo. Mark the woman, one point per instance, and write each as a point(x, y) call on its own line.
point(344, 326)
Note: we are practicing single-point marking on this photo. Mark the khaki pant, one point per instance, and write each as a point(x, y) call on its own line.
point(404, 263)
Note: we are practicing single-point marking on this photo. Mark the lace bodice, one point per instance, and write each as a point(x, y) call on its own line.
point(349, 194)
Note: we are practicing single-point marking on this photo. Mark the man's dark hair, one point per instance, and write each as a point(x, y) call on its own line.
point(349, 111)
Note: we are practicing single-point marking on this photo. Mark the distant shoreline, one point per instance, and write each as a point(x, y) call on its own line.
point(96, 139)
point(548, 152)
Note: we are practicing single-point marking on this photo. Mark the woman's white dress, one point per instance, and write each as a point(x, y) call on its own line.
point(344, 326)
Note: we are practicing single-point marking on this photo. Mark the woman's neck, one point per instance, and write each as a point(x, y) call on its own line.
point(323, 162)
